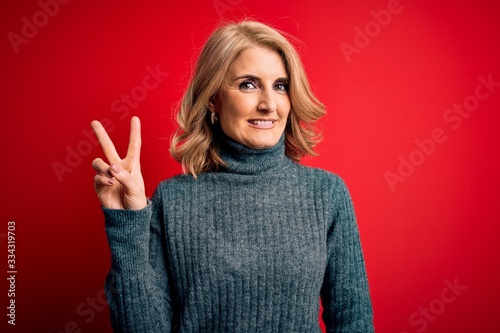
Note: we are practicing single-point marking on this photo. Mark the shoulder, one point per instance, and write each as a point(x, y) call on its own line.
point(328, 178)
point(176, 184)
point(329, 185)
point(177, 180)
point(181, 181)
point(185, 184)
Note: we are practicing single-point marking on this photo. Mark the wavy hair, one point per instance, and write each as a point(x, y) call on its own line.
point(193, 143)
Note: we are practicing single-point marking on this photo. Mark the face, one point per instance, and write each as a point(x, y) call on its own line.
point(253, 104)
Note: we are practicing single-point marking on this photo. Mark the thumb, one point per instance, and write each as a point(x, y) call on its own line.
point(124, 177)
point(134, 196)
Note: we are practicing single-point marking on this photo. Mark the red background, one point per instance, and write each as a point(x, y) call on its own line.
point(439, 226)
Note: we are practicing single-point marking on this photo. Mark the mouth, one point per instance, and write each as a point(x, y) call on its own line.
point(262, 123)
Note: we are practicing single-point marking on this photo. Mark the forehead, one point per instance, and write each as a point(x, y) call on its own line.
point(259, 61)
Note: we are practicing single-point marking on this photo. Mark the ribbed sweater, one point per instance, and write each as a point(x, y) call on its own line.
point(249, 248)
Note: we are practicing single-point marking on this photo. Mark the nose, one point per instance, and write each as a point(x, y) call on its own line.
point(267, 101)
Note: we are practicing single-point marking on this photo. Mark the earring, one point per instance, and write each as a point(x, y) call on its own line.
point(213, 118)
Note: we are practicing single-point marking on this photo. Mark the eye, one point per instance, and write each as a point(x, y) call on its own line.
point(247, 85)
point(281, 86)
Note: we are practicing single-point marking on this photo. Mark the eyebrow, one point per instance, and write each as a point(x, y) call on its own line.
point(250, 76)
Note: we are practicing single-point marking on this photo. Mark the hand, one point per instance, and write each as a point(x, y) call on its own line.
point(119, 184)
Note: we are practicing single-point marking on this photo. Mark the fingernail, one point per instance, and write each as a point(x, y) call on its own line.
point(111, 181)
point(116, 168)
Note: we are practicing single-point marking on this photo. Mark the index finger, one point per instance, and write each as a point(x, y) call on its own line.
point(134, 145)
point(106, 144)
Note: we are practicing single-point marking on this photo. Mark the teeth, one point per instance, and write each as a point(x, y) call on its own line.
point(261, 122)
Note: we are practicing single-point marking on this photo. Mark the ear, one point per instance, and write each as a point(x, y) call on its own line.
point(211, 106)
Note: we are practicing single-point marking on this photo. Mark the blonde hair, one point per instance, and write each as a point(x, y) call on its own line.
point(193, 143)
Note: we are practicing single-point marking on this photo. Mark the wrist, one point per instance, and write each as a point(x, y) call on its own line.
point(138, 205)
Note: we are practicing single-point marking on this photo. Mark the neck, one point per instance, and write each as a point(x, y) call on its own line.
point(244, 160)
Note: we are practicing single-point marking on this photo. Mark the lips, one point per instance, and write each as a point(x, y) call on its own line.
point(262, 123)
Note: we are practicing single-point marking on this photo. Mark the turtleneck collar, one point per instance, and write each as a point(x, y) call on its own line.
point(248, 161)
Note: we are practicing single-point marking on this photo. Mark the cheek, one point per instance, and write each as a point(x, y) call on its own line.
point(231, 115)
point(285, 106)
point(236, 107)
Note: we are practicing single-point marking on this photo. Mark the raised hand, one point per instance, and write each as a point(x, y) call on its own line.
point(119, 183)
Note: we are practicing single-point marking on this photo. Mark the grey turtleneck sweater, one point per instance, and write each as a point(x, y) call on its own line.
point(250, 248)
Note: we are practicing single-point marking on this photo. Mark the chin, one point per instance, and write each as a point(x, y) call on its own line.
point(263, 144)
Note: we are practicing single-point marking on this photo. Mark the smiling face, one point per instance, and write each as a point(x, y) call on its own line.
point(253, 103)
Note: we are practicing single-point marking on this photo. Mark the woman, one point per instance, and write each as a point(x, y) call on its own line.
point(247, 239)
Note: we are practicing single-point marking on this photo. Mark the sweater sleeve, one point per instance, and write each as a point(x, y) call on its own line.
point(137, 286)
point(345, 294)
